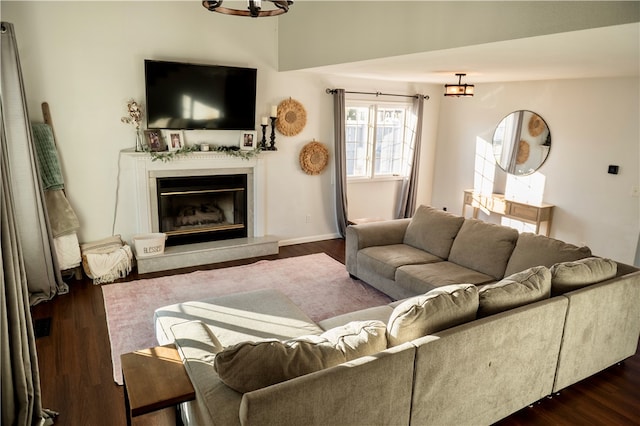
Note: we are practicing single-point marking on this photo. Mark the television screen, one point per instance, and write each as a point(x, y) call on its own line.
point(190, 96)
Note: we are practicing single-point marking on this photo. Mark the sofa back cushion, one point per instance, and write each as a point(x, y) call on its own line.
point(568, 276)
point(248, 366)
point(519, 289)
point(433, 231)
point(439, 309)
point(484, 247)
point(535, 250)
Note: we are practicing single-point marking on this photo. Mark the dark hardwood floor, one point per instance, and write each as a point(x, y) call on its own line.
point(76, 378)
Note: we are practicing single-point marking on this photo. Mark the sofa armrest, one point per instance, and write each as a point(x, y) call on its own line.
point(197, 347)
point(372, 234)
point(601, 328)
point(370, 390)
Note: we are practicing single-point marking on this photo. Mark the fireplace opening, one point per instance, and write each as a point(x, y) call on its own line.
point(194, 209)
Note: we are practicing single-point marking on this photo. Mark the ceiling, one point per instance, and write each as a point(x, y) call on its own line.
point(600, 52)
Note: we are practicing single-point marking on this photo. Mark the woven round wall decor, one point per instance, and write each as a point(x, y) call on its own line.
point(536, 125)
point(292, 117)
point(314, 158)
point(523, 152)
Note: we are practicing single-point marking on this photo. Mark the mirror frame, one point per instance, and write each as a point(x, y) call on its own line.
point(533, 136)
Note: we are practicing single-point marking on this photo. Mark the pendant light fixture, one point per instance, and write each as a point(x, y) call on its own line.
point(254, 8)
point(458, 89)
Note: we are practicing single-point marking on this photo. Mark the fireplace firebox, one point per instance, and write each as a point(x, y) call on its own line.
point(193, 209)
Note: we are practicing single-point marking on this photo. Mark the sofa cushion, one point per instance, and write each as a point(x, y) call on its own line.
point(515, 290)
point(429, 313)
point(567, 276)
point(384, 260)
point(433, 230)
point(484, 247)
point(535, 250)
point(248, 366)
point(419, 279)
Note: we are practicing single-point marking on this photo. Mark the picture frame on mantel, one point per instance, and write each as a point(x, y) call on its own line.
point(174, 139)
point(248, 140)
point(153, 140)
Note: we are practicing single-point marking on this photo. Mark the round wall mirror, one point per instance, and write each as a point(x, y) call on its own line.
point(521, 143)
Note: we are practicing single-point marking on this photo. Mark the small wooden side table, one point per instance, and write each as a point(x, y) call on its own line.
point(536, 214)
point(154, 379)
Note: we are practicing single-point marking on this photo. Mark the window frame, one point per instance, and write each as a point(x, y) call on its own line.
point(373, 105)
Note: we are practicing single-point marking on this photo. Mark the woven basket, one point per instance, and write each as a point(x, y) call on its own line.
point(314, 158)
point(292, 117)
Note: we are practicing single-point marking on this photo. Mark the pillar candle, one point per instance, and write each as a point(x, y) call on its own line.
point(264, 121)
point(274, 110)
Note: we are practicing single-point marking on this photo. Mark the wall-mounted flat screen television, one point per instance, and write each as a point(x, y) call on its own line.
point(191, 96)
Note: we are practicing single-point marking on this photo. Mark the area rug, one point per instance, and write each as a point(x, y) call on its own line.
point(318, 284)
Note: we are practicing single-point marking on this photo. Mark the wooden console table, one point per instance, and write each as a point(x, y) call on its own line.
point(496, 203)
point(154, 379)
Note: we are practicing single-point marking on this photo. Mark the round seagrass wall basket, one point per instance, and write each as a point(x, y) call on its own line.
point(536, 125)
point(292, 117)
point(314, 158)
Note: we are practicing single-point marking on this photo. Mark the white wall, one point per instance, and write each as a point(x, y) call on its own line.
point(594, 123)
point(86, 59)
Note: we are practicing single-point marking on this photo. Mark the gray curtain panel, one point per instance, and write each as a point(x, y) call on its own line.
point(34, 233)
point(407, 197)
point(21, 399)
point(340, 160)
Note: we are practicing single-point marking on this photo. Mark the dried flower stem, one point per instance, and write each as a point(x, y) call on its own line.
point(135, 114)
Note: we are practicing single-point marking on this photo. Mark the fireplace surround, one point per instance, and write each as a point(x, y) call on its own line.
point(206, 183)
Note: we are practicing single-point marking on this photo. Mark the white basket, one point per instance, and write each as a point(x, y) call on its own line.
point(149, 244)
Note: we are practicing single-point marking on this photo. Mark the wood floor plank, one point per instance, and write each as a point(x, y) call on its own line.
point(76, 372)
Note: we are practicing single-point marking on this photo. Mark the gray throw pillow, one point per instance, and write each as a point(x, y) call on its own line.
point(248, 366)
point(433, 231)
point(437, 310)
point(519, 289)
point(535, 250)
point(568, 276)
point(484, 247)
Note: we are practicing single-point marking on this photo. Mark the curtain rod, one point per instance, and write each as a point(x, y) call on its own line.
point(332, 91)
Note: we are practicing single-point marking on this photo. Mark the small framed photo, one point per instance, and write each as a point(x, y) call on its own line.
point(153, 140)
point(248, 140)
point(174, 139)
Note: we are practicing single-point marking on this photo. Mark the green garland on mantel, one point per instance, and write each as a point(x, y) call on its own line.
point(233, 151)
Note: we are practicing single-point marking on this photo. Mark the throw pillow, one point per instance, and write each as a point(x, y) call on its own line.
point(434, 311)
point(567, 276)
point(484, 247)
point(248, 366)
point(516, 290)
point(535, 250)
point(433, 231)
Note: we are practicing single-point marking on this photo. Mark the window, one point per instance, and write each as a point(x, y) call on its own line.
point(378, 140)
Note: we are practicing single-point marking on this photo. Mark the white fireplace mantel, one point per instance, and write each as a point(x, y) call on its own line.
point(135, 199)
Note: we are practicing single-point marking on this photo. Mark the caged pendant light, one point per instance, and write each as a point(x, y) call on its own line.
point(254, 8)
point(458, 89)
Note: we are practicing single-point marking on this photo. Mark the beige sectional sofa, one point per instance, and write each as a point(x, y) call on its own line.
point(486, 322)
